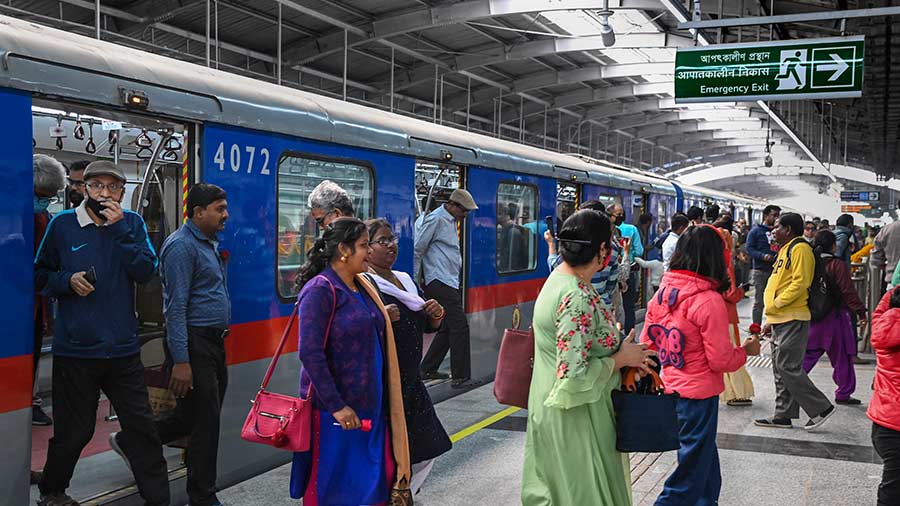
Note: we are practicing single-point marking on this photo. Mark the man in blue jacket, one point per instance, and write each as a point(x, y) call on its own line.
point(89, 260)
point(759, 247)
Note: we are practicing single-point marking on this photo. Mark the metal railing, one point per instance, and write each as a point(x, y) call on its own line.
point(867, 279)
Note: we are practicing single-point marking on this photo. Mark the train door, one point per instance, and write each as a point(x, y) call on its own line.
point(434, 182)
point(508, 256)
point(152, 152)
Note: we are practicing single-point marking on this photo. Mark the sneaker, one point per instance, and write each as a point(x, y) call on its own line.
point(778, 423)
point(60, 499)
point(816, 421)
point(739, 402)
point(849, 401)
point(114, 444)
point(39, 418)
point(434, 375)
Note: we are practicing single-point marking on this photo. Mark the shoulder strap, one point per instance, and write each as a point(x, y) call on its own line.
point(790, 247)
point(287, 330)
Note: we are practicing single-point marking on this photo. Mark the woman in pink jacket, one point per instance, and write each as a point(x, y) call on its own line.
point(884, 409)
point(687, 324)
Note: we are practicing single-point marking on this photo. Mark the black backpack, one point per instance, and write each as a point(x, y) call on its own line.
point(824, 294)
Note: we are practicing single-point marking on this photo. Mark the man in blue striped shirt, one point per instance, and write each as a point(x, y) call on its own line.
point(89, 260)
point(632, 236)
point(198, 313)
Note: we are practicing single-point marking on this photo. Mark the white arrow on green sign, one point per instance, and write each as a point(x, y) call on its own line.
point(781, 70)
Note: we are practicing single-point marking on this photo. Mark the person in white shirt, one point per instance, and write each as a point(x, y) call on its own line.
point(680, 223)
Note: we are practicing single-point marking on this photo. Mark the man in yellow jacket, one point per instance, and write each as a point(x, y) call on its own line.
point(787, 316)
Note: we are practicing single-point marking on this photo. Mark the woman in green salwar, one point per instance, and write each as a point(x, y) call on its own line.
point(570, 448)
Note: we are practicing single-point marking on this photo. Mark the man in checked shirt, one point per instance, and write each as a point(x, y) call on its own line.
point(198, 312)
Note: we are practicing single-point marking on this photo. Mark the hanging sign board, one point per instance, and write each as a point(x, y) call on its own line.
point(859, 196)
point(779, 70)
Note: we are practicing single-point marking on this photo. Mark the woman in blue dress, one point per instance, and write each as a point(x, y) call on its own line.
point(359, 448)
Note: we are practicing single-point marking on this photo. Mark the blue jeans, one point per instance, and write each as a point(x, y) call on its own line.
point(697, 480)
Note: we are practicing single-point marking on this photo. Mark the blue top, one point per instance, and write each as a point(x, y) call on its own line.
point(342, 370)
point(437, 249)
point(759, 244)
point(195, 292)
point(630, 231)
point(102, 324)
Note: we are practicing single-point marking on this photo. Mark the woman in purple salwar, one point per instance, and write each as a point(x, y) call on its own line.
point(834, 333)
point(353, 459)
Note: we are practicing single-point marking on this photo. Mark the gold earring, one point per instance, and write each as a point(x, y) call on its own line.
point(344, 259)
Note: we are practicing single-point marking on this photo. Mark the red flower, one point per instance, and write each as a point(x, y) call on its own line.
point(755, 328)
point(562, 369)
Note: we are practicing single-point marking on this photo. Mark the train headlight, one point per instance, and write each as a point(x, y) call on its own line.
point(446, 155)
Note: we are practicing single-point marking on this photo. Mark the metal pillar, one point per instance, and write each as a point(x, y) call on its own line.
point(279, 42)
point(500, 115)
point(468, 102)
point(435, 105)
point(392, 79)
point(521, 118)
point(96, 18)
point(216, 21)
point(344, 80)
point(559, 131)
point(545, 127)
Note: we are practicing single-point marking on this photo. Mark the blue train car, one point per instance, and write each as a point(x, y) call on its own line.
point(267, 146)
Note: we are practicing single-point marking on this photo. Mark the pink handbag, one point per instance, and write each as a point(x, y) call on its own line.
point(278, 420)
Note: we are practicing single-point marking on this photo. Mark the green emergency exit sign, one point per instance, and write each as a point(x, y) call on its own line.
point(779, 70)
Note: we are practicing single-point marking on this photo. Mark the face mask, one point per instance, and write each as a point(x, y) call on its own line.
point(619, 220)
point(75, 198)
point(96, 206)
point(41, 204)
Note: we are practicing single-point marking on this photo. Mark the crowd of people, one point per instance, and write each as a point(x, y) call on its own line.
point(800, 272)
point(361, 325)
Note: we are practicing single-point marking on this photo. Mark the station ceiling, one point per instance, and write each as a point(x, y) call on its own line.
point(533, 71)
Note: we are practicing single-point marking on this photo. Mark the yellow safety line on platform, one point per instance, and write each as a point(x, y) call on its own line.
point(472, 429)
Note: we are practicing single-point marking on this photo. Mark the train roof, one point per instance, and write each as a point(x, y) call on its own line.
point(56, 63)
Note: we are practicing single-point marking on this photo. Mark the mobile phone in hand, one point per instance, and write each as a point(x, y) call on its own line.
point(91, 276)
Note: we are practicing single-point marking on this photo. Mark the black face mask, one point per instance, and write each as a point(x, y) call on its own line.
point(618, 220)
point(75, 198)
point(96, 206)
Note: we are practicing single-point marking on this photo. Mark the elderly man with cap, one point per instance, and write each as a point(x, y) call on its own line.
point(89, 260)
point(438, 260)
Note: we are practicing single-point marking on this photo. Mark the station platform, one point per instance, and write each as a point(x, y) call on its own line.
point(760, 467)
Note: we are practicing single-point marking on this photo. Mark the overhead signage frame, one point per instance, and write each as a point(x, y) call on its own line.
point(777, 70)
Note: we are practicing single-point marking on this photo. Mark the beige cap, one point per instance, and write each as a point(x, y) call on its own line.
point(104, 168)
point(463, 198)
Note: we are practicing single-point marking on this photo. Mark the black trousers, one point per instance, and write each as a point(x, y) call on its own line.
point(36, 351)
point(453, 335)
point(77, 383)
point(197, 414)
point(629, 302)
point(887, 444)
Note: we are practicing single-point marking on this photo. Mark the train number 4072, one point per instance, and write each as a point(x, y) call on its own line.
point(238, 158)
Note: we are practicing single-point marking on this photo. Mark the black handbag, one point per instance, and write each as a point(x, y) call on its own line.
point(646, 419)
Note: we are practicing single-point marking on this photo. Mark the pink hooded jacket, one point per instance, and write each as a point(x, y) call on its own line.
point(687, 324)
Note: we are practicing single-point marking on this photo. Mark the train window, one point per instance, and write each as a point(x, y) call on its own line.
point(517, 227)
point(298, 175)
point(662, 216)
point(566, 202)
point(609, 200)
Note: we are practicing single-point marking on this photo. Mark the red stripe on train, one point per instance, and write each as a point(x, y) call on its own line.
point(15, 383)
point(484, 298)
point(258, 340)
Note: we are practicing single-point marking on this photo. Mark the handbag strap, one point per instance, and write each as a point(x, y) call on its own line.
point(287, 330)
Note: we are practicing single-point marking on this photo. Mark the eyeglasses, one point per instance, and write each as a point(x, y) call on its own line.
point(98, 186)
point(385, 241)
point(75, 183)
point(320, 221)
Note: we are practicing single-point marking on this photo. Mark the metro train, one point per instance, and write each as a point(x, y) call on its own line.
point(171, 123)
